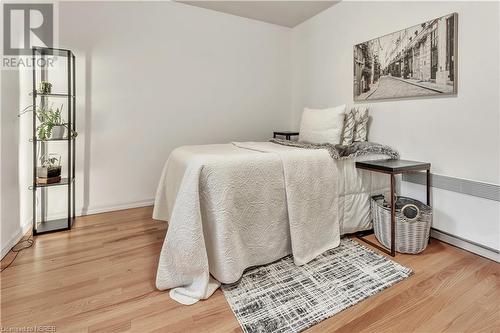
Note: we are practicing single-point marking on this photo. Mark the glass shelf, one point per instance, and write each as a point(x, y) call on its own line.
point(64, 181)
point(52, 225)
point(53, 140)
point(55, 95)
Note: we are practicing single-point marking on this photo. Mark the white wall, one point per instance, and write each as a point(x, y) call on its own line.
point(154, 76)
point(10, 226)
point(158, 75)
point(459, 135)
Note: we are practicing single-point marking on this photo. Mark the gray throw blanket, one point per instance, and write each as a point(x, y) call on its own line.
point(353, 150)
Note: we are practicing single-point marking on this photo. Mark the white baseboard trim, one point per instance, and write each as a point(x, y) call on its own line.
point(467, 245)
point(80, 212)
point(112, 208)
point(15, 238)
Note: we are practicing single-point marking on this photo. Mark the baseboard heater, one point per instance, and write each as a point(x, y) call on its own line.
point(458, 185)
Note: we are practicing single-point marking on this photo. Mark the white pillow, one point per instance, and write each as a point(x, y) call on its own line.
point(322, 125)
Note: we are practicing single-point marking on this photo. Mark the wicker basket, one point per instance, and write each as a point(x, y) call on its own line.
point(412, 235)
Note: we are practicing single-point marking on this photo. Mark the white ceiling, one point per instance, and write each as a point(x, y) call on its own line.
point(285, 13)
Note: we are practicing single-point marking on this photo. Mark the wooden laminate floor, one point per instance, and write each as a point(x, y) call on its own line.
point(100, 276)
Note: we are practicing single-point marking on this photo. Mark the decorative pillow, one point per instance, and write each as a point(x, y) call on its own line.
point(349, 126)
point(361, 117)
point(322, 126)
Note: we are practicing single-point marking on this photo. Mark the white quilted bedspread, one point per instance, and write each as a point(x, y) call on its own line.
point(231, 211)
point(311, 184)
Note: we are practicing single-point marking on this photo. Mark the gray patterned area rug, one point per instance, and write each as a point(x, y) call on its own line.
point(283, 297)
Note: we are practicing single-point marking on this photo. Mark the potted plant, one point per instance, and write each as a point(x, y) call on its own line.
point(44, 87)
point(51, 166)
point(51, 123)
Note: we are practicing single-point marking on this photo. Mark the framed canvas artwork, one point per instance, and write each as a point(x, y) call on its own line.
point(413, 62)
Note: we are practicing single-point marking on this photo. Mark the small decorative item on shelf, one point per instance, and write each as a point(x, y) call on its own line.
point(44, 87)
point(51, 123)
point(57, 132)
point(50, 171)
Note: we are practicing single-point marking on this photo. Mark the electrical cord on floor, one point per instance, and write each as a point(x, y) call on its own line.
point(16, 249)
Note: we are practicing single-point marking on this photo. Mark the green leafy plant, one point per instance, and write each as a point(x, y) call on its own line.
point(48, 119)
point(44, 87)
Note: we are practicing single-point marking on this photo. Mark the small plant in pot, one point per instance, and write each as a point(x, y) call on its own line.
point(51, 124)
point(51, 166)
point(44, 87)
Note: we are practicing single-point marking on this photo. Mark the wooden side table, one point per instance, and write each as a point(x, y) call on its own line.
point(392, 168)
point(286, 134)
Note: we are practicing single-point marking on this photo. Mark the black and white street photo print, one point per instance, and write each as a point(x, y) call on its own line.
point(417, 61)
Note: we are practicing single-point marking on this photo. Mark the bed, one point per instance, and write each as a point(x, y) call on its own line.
point(238, 205)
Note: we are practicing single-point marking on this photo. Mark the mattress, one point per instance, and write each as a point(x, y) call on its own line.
point(355, 186)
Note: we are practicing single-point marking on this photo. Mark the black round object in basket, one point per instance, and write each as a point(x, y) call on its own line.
point(410, 211)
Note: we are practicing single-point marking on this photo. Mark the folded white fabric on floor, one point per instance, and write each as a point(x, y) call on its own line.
point(183, 265)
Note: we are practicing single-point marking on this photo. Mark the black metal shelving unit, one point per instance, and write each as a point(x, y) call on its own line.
point(41, 70)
